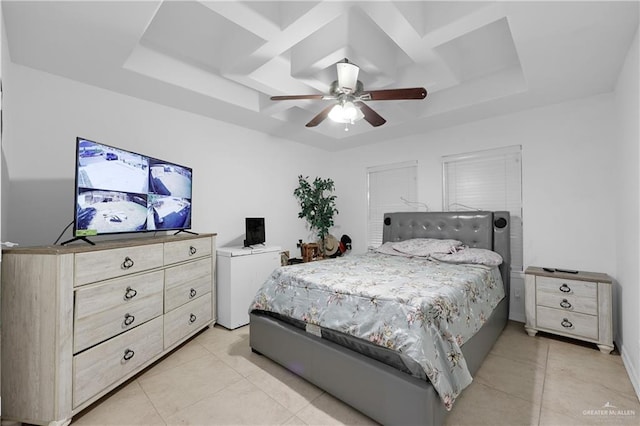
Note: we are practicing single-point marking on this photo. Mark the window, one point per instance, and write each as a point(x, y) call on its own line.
point(487, 180)
point(391, 188)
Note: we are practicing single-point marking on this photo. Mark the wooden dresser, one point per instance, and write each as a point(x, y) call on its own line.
point(572, 305)
point(79, 320)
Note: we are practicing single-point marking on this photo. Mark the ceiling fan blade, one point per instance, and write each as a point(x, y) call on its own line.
point(320, 117)
point(347, 76)
point(294, 97)
point(394, 94)
point(370, 115)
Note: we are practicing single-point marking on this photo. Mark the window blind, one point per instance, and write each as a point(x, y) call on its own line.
point(487, 180)
point(388, 186)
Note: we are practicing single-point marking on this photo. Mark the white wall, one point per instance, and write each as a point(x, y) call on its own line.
point(567, 155)
point(627, 192)
point(237, 172)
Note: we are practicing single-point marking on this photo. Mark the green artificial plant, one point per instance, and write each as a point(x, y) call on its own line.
point(317, 203)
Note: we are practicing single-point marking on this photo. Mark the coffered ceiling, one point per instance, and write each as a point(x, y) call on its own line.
point(224, 59)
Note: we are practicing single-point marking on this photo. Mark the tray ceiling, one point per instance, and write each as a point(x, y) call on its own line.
point(224, 59)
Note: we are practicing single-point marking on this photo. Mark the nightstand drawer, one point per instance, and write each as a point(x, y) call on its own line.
point(566, 287)
point(568, 303)
point(569, 323)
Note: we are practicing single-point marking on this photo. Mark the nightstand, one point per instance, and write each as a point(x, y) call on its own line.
point(572, 305)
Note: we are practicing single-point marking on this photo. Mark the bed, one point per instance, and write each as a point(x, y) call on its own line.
point(378, 381)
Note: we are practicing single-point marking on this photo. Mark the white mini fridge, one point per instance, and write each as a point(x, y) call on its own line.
point(240, 272)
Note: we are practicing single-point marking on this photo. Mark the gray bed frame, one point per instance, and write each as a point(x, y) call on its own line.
point(389, 396)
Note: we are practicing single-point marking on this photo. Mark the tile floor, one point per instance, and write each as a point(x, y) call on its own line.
point(215, 379)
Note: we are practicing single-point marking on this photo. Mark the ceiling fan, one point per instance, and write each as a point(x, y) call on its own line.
point(350, 95)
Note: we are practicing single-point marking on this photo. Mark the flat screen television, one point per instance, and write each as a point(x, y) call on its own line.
point(119, 191)
point(254, 231)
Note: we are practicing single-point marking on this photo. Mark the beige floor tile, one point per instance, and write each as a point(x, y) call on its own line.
point(522, 379)
point(242, 331)
point(294, 421)
point(188, 352)
point(172, 390)
point(480, 404)
point(216, 379)
point(238, 404)
point(291, 391)
point(327, 410)
point(217, 338)
point(238, 355)
point(128, 406)
point(565, 347)
point(516, 344)
point(588, 365)
point(599, 416)
point(573, 397)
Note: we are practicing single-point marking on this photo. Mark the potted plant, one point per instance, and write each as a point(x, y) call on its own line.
point(317, 204)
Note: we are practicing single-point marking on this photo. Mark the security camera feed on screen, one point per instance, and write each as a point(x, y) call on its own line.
point(120, 191)
point(169, 195)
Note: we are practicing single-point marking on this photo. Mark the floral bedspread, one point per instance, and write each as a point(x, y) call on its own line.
point(423, 309)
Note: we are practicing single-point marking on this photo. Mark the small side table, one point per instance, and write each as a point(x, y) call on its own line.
point(572, 305)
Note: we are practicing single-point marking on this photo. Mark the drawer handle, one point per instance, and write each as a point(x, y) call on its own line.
point(565, 304)
point(565, 288)
point(128, 263)
point(130, 293)
point(128, 354)
point(566, 323)
point(192, 250)
point(192, 293)
point(192, 319)
point(129, 319)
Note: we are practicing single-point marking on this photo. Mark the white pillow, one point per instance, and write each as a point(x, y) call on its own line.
point(470, 255)
point(426, 246)
point(387, 248)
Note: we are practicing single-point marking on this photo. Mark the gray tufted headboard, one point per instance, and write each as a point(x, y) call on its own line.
point(482, 229)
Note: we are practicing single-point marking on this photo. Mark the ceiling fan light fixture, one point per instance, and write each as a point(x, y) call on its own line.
point(345, 112)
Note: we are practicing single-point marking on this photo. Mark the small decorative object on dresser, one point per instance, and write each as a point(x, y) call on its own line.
point(569, 303)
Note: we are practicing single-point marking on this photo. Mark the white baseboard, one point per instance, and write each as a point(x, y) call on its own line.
point(633, 374)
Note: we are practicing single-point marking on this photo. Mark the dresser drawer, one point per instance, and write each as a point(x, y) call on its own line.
point(186, 282)
point(566, 287)
point(97, 368)
point(101, 265)
point(179, 251)
point(569, 303)
point(96, 298)
point(105, 310)
point(569, 323)
point(186, 319)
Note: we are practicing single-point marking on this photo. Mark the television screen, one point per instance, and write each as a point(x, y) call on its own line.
point(254, 231)
point(120, 191)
